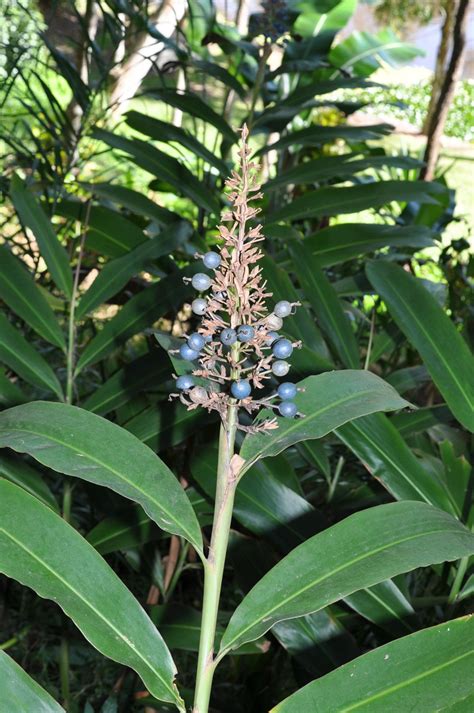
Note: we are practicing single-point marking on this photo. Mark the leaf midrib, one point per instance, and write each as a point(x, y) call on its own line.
point(334, 571)
point(90, 605)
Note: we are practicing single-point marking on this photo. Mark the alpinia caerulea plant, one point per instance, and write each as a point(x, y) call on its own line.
point(237, 352)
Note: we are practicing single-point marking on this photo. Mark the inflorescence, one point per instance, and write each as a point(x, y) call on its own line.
point(237, 346)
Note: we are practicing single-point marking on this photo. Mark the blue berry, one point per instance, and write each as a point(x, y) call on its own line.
point(282, 308)
point(241, 389)
point(288, 409)
point(184, 382)
point(201, 281)
point(187, 353)
point(272, 336)
point(287, 390)
point(282, 349)
point(196, 341)
point(199, 306)
point(245, 333)
point(280, 368)
point(228, 336)
point(212, 260)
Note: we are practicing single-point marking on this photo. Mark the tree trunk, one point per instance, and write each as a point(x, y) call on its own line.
point(453, 74)
point(441, 60)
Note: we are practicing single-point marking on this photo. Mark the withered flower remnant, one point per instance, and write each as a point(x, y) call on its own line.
point(236, 345)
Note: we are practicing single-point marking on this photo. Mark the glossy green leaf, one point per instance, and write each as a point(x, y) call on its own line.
point(407, 424)
point(317, 135)
point(385, 605)
point(75, 442)
point(164, 132)
point(429, 329)
point(364, 52)
point(43, 552)
point(428, 671)
point(339, 243)
point(135, 202)
point(17, 471)
point(380, 447)
point(192, 104)
point(166, 424)
point(352, 199)
point(328, 401)
point(326, 305)
point(19, 291)
point(127, 530)
point(20, 693)
point(362, 550)
point(33, 217)
point(144, 374)
point(212, 69)
point(17, 353)
point(10, 392)
point(117, 273)
point(340, 167)
point(162, 166)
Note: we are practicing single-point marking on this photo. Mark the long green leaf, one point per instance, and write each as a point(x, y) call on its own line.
point(385, 605)
point(162, 166)
point(127, 530)
point(117, 272)
point(328, 401)
point(424, 672)
point(32, 215)
point(381, 448)
point(432, 333)
point(43, 552)
point(20, 693)
point(10, 393)
point(352, 199)
point(21, 294)
point(134, 201)
point(25, 361)
point(326, 305)
point(76, 442)
point(317, 135)
point(362, 550)
point(339, 243)
point(17, 471)
point(364, 52)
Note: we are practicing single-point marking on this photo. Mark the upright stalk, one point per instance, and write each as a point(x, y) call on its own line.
point(214, 565)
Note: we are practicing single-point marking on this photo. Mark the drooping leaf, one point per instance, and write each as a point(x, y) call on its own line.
point(426, 671)
point(429, 329)
point(352, 199)
point(316, 135)
point(385, 605)
point(33, 217)
point(43, 552)
point(73, 441)
point(328, 401)
point(362, 550)
point(19, 291)
point(381, 448)
point(20, 693)
point(326, 305)
point(364, 52)
point(17, 471)
point(24, 360)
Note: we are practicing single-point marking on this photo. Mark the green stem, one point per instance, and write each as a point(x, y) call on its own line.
point(64, 672)
point(458, 579)
point(214, 565)
point(267, 50)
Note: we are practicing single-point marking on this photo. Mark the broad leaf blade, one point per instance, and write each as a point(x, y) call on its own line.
point(25, 361)
point(75, 442)
point(362, 550)
point(43, 552)
point(20, 693)
point(32, 215)
point(432, 333)
point(21, 294)
point(328, 401)
point(430, 670)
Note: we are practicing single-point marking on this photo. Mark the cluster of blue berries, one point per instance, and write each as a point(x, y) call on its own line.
point(274, 22)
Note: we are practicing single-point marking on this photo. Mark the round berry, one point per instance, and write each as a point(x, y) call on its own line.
point(212, 260)
point(199, 306)
point(288, 409)
point(208, 338)
point(183, 383)
point(196, 341)
point(228, 336)
point(282, 349)
point(287, 390)
point(282, 308)
point(272, 336)
point(245, 333)
point(274, 322)
point(241, 389)
point(187, 353)
point(198, 394)
point(280, 368)
point(201, 281)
